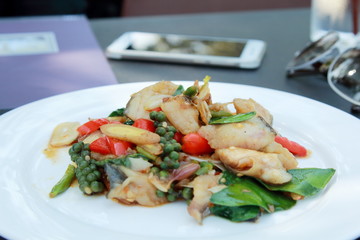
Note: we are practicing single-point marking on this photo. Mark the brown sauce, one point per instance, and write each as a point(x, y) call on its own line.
point(51, 153)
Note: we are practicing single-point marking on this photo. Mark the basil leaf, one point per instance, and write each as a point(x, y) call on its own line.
point(305, 181)
point(233, 119)
point(236, 214)
point(248, 192)
point(118, 113)
point(229, 178)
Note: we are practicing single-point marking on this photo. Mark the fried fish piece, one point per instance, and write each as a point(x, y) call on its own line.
point(181, 113)
point(252, 134)
point(265, 166)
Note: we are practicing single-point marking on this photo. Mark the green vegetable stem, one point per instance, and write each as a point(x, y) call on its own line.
point(64, 183)
point(233, 119)
point(146, 153)
point(191, 91)
point(179, 90)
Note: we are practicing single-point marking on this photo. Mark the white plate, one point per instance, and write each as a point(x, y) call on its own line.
point(26, 175)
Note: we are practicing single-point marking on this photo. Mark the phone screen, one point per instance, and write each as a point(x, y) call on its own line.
point(181, 44)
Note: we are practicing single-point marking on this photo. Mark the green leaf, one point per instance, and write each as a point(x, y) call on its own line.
point(248, 192)
point(118, 113)
point(229, 178)
point(233, 119)
point(236, 214)
point(305, 181)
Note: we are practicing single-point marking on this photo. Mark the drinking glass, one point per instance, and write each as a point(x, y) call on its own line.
point(341, 16)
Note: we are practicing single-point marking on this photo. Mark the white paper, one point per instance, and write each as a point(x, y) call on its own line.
point(28, 43)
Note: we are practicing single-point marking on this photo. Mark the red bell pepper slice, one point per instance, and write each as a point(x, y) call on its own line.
point(292, 146)
point(118, 147)
point(92, 126)
point(195, 144)
point(107, 145)
point(101, 146)
point(144, 124)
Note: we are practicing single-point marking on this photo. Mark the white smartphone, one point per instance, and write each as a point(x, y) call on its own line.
point(231, 52)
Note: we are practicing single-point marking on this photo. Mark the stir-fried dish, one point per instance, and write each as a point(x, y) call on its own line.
point(170, 144)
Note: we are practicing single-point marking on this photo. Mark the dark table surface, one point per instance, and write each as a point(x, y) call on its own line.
point(285, 32)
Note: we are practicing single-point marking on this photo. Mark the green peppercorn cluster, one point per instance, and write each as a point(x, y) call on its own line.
point(86, 172)
point(162, 174)
point(205, 167)
point(171, 148)
point(172, 194)
point(187, 193)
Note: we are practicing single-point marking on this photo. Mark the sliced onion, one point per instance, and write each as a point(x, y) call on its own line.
point(184, 171)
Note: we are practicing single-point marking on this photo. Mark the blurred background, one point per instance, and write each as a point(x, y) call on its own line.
point(128, 8)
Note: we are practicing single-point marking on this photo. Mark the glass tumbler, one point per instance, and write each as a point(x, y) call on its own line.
point(334, 15)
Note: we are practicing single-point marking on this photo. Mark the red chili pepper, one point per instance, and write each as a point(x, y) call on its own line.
point(101, 146)
point(101, 121)
point(107, 145)
point(118, 147)
point(195, 144)
point(144, 124)
point(292, 146)
point(91, 126)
